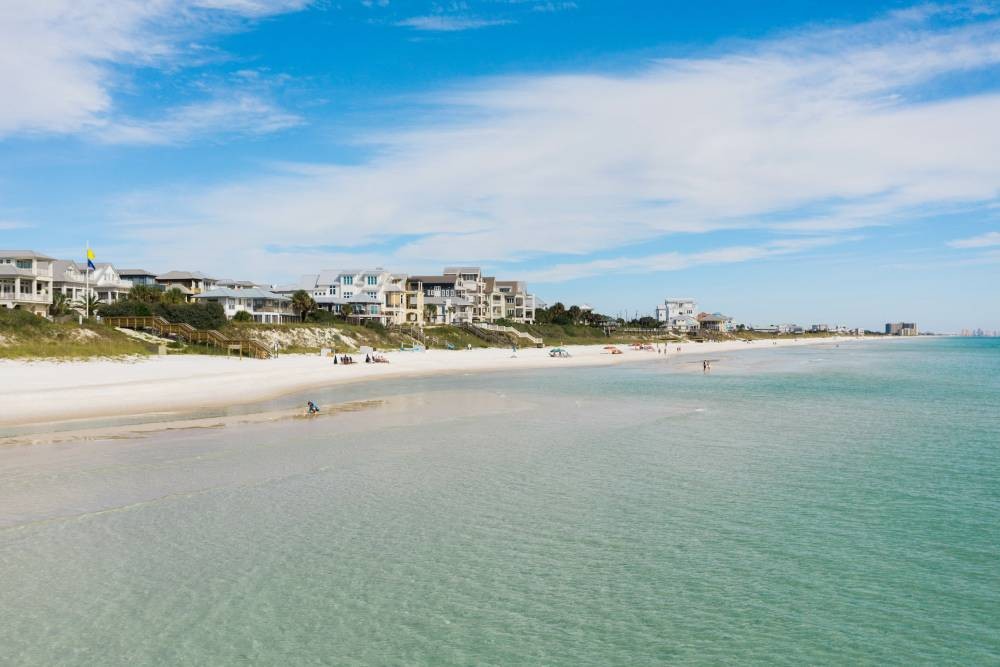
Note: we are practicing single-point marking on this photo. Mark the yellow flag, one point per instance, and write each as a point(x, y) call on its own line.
point(90, 254)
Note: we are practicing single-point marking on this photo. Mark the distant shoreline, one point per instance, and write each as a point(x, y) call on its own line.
point(172, 387)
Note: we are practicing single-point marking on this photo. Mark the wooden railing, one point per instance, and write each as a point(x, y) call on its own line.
point(495, 333)
point(188, 333)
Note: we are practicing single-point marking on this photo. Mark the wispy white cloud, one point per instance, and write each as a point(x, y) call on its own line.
point(448, 23)
point(987, 240)
point(676, 261)
point(814, 133)
point(13, 224)
point(240, 115)
point(60, 60)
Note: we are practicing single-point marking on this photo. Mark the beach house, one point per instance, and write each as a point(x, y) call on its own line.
point(491, 299)
point(715, 322)
point(188, 282)
point(138, 277)
point(71, 279)
point(366, 294)
point(440, 299)
point(26, 280)
point(263, 306)
point(677, 314)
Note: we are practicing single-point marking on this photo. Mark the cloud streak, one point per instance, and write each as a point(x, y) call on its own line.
point(987, 240)
point(61, 60)
point(448, 23)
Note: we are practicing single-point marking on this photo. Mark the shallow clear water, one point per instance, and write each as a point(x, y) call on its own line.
point(815, 505)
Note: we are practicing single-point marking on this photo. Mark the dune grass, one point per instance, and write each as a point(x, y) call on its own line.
point(27, 336)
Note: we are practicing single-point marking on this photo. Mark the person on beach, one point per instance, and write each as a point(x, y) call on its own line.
point(313, 408)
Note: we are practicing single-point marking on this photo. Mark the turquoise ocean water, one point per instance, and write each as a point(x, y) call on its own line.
point(822, 505)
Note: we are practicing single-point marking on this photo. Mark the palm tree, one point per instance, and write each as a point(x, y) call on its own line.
point(173, 296)
point(60, 305)
point(346, 311)
point(89, 303)
point(303, 304)
point(145, 294)
point(430, 312)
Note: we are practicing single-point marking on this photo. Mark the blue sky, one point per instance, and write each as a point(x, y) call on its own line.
point(808, 162)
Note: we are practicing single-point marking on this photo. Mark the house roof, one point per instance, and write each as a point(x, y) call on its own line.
point(249, 293)
point(434, 279)
point(714, 317)
point(183, 275)
point(135, 272)
point(25, 254)
point(229, 282)
point(462, 269)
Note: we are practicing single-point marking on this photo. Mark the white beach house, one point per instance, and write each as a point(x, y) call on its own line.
point(264, 306)
point(677, 314)
point(367, 294)
point(26, 280)
point(71, 280)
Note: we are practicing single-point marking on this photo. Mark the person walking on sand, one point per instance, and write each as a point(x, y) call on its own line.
point(313, 408)
point(513, 349)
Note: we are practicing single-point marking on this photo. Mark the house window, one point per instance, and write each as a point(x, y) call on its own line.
point(348, 295)
point(347, 280)
point(373, 295)
point(373, 280)
point(23, 263)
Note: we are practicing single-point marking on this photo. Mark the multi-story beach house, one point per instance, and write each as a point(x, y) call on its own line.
point(368, 294)
point(188, 282)
point(71, 279)
point(264, 306)
point(716, 322)
point(438, 301)
point(677, 314)
point(491, 299)
point(26, 280)
point(138, 277)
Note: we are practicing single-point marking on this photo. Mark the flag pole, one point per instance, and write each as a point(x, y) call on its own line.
point(86, 290)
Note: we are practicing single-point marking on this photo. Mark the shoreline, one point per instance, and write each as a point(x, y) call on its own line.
point(54, 393)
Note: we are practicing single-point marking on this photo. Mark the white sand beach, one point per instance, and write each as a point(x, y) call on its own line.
point(39, 392)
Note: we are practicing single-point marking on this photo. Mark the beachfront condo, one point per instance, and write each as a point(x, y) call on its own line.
point(72, 280)
point(441, 299)
point(26, 281)
point(677, 314)
point(491, 299)
point(901, 329)
point(263, 306)
point(188, 282)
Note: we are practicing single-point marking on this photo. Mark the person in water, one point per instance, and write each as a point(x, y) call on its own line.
point(313, 408)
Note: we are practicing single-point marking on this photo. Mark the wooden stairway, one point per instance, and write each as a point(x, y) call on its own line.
point(188, 333)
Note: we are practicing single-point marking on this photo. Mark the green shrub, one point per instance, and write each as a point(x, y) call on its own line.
point(127, 308)
point(242, 316)
point(198, 315)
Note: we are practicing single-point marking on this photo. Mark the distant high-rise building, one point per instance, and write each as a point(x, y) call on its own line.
point(901, 329)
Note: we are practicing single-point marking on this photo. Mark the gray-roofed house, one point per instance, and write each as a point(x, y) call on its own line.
point(138, 276)
point(368, 294)
point(70, 279)
point(195, 282)
point(264, 306)
point(26, 280)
